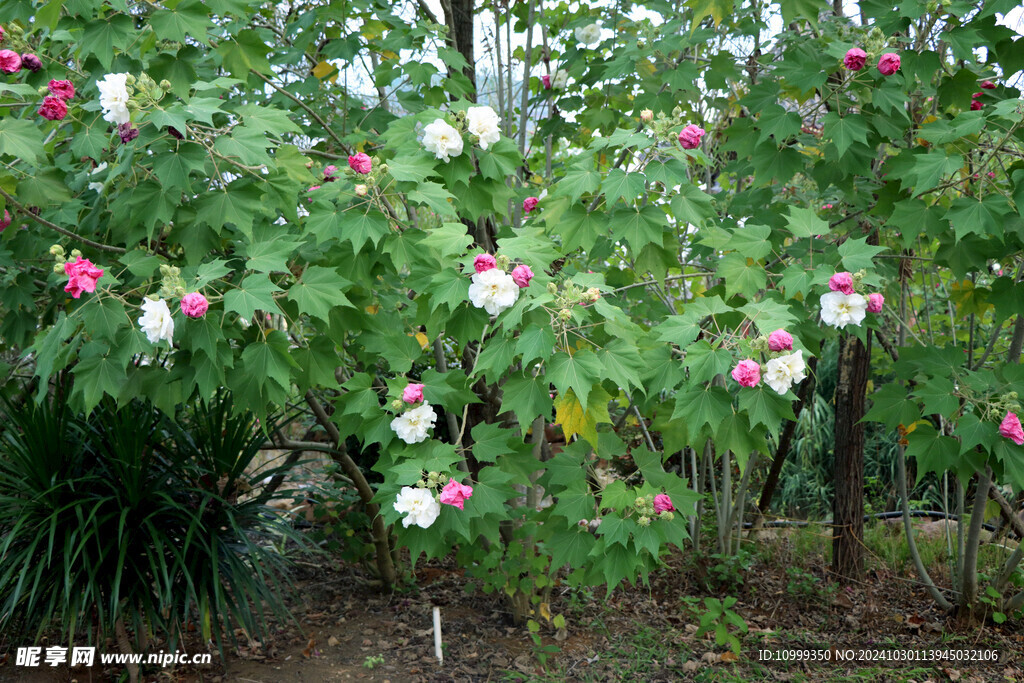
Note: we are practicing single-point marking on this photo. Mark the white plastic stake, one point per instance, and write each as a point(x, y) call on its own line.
point(437, 635)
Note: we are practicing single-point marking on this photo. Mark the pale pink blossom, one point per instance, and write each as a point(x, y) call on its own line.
point(690, 136)
point(484, 262)
point(529, 204)
point(6, 220)
point(455, 494)
point(780, 340)
point(546, 80)
point(522, 275)
point(875, 302)
point(1011, 429)
point(194, 305)
point(82, 276)
point(841, 282)
point(662, 503)
point(747, 373)
point(889, 63)
point(413, 393)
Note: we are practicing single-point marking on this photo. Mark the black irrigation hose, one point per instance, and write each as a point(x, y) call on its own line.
point(934, 514)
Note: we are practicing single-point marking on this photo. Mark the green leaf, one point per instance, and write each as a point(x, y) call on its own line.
point(752, 241)
point(692, 205)
point(846, 130)
point(579, 179)
point(235, 205)
point(622, 185)
point(246, 51)
point(700, 406)
point(187, 18)
point(173, 168)
point(929, 169)
point(245, 144)
point(571, 546)
point(104, 316)
point(765, 407)
point(805, 223)
point(451, 239)
point(269, 256)
point(892, 406)
point(801, 9)
point(639, 228)
point(704, 361)
point(934, 453)
point(21, 139)
point(101, 36)
point(579, 372)
point(858, 254)
point(267, 119)
point(535, 341)
point(271, 358)
point(622, 364)
point(360, 228)
point(319, 290)
point(526, 396)
point(255, 292)
point(741, 275)
point(96, 373)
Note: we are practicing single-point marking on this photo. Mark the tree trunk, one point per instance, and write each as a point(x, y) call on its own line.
point(459, 16)
point(848, 504)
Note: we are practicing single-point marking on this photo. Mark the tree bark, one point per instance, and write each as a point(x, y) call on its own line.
point(459, 16)
point(848, 504)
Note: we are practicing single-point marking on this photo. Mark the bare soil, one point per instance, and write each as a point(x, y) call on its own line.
point(343, 629)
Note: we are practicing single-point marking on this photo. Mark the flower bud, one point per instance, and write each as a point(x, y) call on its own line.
point(593, 293)
point(397, 404)
point(361, 190)
point(165, 84)
point(76, 253)
point(552, 288)
point(130, 80)
point(646, 115)
point(565, 314)
point(644, 520)
point(58, 268)
point(503, 261)
point(56, 250)
point(667, 515)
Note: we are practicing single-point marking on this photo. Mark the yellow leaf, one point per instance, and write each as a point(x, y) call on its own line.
point(545, 611)
point(969, 299)
point(324, 69)
point(422, 339)
point(575, 419)
point(372, 310)
point(645, 66)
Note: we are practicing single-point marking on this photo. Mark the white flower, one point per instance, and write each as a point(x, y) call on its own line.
point(493, 290)
point(782, 372)
point(839, 310)
point(483, 122)
point(560, 80)
point(443, 140)
point(419, 506)
point(157, 322)
point(99, 169)
point(412, 425)
point(589, 35)
point(995, 267)
point(114, 98)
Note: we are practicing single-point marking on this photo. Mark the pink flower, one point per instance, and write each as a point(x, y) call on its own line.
point(360, 163)
point(976, 105)
point(991, 174)
point(826, 207)
point(689, 138)
point(82, 276)
point(484, 262)
point(855, 59)
point(53, 108)
point(5, 221)
point(126, 132)
point(329, 172)
point(977, 95)
point(875, 302)
point(10, 61)
point(529, 204)
point(546, 80)
point(662, 503)
point(62, 89)
point(2, 32)
point(31, 62)
point(889, 63)
point(194, 305)
point(988, 85)
point(455, 493)
point(780, 340)
point(747, 373)
point(1011, 429)
point(413, 393)
point(522, 275)
point(841, 282)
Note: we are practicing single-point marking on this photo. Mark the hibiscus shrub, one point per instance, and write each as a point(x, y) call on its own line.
point(651, 241)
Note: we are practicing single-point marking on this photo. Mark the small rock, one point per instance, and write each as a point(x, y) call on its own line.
point(690, 666)
point(332, 641)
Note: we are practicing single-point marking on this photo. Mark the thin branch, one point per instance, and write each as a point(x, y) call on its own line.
point(64, 231)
